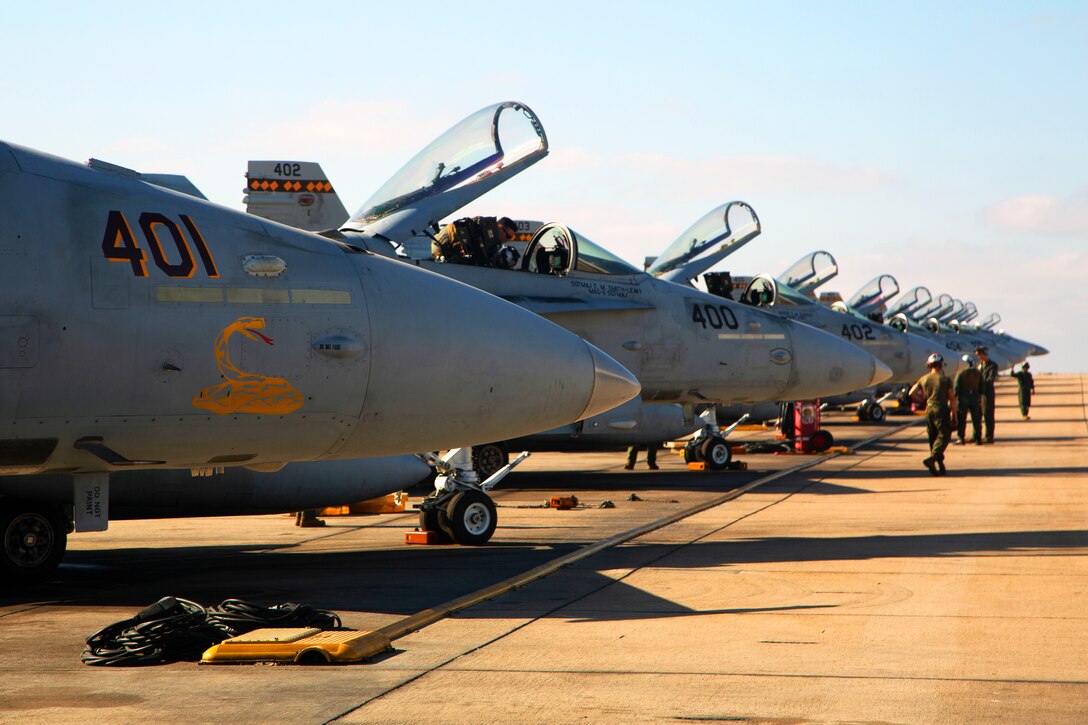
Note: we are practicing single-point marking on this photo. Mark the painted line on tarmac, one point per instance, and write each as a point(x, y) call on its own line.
point(419, 620)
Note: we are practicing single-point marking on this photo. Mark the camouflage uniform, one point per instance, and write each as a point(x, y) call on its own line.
point(938, 415)
point(968, 390)
point(988, 371)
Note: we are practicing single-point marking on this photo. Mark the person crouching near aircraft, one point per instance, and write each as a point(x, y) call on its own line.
point(940, 410)
point(968, 388)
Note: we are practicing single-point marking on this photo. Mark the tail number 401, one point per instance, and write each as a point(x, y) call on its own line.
point(119, 244)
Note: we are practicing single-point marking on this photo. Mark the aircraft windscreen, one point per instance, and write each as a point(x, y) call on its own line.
point(970, 312)
point(598, 260)
point(713, 227)
point(810, 272)
point(467, 153)
point(875, 294)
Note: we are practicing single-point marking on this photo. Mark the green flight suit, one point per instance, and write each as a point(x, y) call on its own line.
point(968, 400)
point(938, 415)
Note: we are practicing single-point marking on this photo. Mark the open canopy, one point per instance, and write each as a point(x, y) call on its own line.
point(910, 300)
point(466, 161)
point(811, 271)
point(718, 233)
point(874, 295)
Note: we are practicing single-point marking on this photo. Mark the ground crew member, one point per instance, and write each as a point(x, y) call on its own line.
point(1027, 387)
point(968, 388)
point(940, 405)
point(651, 456)
point(987, 368)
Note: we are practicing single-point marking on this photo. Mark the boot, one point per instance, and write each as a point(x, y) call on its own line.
point(930, 463)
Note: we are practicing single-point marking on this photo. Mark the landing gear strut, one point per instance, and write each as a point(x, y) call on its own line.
point(709, 445)
point(460, 510)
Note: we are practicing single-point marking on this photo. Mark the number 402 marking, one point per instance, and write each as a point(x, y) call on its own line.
point(119, 244)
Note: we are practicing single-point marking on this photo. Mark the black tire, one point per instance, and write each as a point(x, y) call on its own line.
point(693, 454)
point(716, 453)
point(877, 413)
point(821, 440)
point(865, 411)
point(470, 518)
point(488, 458)
point(431, 520)
point(33, 540)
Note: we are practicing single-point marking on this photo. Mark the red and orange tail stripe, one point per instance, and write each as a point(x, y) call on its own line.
point(290, 185)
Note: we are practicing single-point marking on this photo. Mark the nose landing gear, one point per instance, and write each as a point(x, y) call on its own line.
point(460, 510)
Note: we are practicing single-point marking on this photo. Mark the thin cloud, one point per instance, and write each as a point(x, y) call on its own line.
point(1040, 213)
point(757, 173)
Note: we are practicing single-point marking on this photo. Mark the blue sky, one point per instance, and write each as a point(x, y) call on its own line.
point(943, 143)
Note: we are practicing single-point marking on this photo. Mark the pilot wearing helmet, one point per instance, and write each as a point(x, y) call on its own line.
point(968, 389)
point(940, 410)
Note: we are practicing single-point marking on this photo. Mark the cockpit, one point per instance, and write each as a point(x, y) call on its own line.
point(766, 291)
point(557, 250)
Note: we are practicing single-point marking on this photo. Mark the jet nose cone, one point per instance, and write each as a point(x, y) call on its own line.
point(613, 384)
point(824, 365)
point(451, 366)
point(881, 372)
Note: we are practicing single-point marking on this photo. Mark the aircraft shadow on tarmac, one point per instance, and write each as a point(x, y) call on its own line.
point(403, 582)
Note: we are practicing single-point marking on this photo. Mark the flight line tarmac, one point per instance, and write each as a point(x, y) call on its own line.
point(861, 589)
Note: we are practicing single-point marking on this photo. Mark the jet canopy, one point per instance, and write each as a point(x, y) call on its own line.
point(990, 322)
point(970, 312)
point(557, 249)
point(874, 295)
point(912, 299)
point(809, 272)
point(936, 309)
point(729, 227)
point(954, 313)
point(495, 139)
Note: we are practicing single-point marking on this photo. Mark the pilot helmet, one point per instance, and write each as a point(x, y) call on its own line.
point(506, 257)
point(967, 359)
point(935, 359)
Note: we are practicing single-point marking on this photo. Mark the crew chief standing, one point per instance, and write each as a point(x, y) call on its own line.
point(987, 368)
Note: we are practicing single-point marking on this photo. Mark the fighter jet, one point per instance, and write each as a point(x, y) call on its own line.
point(683, 345)
point(145, 328)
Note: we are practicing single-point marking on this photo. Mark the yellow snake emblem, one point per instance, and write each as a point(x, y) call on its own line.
point(246, 392)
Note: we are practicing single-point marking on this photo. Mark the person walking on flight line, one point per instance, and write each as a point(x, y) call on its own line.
point(1027, 387)
point(940, 407)
point(967, 388)
point(987, 368)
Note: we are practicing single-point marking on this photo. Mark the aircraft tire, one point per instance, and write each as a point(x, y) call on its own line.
point(431, 520)
point(34, 540)
point(488, 458)
point(876, 413)
point(716, 453)
point(470, 518)
point(822, 440)
point(865, 411)
point(692, 454)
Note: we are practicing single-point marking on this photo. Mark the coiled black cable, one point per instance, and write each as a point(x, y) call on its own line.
point(176, 630)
